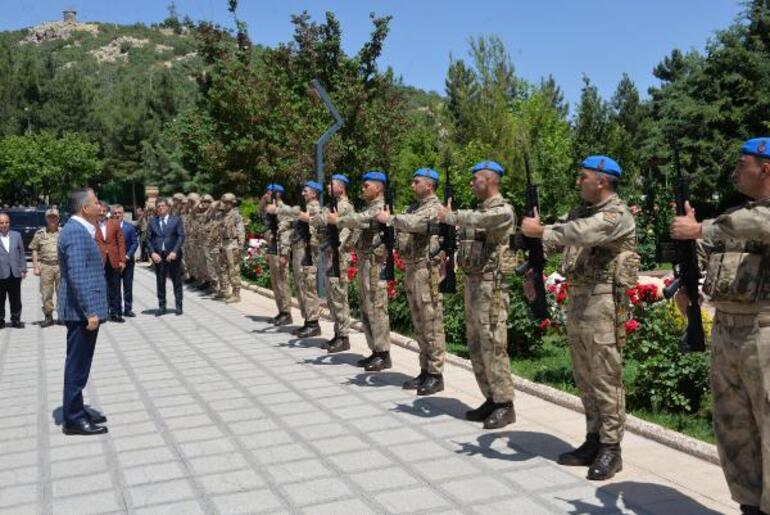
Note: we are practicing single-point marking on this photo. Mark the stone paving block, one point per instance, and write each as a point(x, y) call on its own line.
point(515, 505)
point(446, 468)
point(20, 509)
point(217, 463)
point(409, 501)
point(475, 489)
point(207, 447)
point(302, 470)
point(351, 507)
point(384, 479)
point(131, 442)
point(153, 473)
point(339, 445)
point(76, 485)
point(396, 436)
point(156, 493)
point(321, 431)
point(316, 491)
point(281, 453)
point(378, 423)
point(174, 508)
point(360, 460)
point(197, 433)
point(256, 501)
point(14, 495)
point(304, 419)
point(227, 482)
point(418, 451)
point(247, 427)
point(93, 502)
point(584, 498)
point(187, 421)
point(79, 467)
point(18, 476)
point(536, 478)
point(265, 439)
point(145, 456)
point(279, 398)
point(291, 408)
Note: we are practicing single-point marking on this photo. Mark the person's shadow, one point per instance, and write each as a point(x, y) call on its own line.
point(430, 407)
point(261, 319)
point(58, 414)
point(305, 343)
point(342, 358)
point(515, 446)
point(378, 379)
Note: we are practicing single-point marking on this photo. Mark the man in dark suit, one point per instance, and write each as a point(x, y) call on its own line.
point(164, 240)
point(13, 268)
point(131, 239)
point(112, 247)
point(82, 305)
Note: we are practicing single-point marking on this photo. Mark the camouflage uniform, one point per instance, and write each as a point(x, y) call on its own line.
point(189, 246)
point(592, 239)
point(213, 243)
point(738, 282)
point(414, 245)
point(279, 274)
point(483, 234)
point(373, 298)
point(233, 241)
point(44, 243)
point(336, 287)
point(304, 276)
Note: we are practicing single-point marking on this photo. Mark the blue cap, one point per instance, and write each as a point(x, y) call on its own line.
point(314, 185)
point(488, 165)
point(375, 175)
point(759, 147)
point(602, 164)
point(340, 177)
point(275, 187)
point(426, 172)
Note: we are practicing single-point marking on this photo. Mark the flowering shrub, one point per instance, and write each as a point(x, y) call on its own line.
point(254, 264)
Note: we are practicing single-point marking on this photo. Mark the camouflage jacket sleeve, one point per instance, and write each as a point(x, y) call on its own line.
point(417, 222)
point(362, 220)
point(34, 245)
point(495, 219)
point(285, 233)
point(748, 223)
point(290, 212)
point(241, 227)
point(591, 231)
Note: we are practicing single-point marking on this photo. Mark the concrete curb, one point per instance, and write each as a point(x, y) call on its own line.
point(678, 441)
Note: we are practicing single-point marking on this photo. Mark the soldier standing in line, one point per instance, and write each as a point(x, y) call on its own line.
point(233, 241)
point(45, 262)
point(738, 282)
point(177, 204)
point(212, 248)
point(366, 240)
point(199, 238)
point(337, 287)
point(598, 241)
point(483, 239)
point(416, 246)
point(278, 262)
point(305, 275)
point(221, 267)
point(190, 244)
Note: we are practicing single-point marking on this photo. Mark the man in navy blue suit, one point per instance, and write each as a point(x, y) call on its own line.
point(82, 306)
point(127, 275)
point(164, 240)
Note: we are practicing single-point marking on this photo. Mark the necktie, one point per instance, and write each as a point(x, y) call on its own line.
point(163, 225)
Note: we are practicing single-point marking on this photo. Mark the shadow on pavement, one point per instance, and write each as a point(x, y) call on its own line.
point(636, 497)
point(306, 343)
point(515, 446)
point(378, 379)
point(258, 318)
point(429, 407)
point(341, 358)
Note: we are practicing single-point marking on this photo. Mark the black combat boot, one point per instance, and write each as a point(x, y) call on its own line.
point(283, 319)
point(747, 509)
point(482, 412)
point(328, 343)
point(608, 462)
point(415, 382)
point(340, 344)
point(311, 329)
point(380, 362)
point(48, 322)
point(502, 415)
point(434, 383)
point(584, 455)
point(296, 331)
point(365, 361)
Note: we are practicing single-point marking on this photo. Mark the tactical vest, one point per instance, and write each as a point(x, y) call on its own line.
point(480, 250)
point(415, 246)
point(739, 272)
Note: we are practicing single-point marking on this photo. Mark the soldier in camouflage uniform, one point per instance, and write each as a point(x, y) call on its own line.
point(483, 240)
point(189, 246)
point(279, 263)
point(337, 287)
point(419, 251)
point(598, 239)
point(305, 276)
point(45, 262)
point(233, 242)
point(737, 245)
point(199, 238)
point(213, 243)
point(223, 277)
point(366, 240)
point(177, 203)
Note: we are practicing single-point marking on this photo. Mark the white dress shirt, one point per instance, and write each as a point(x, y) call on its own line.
point(85, 223)
point(6, 240)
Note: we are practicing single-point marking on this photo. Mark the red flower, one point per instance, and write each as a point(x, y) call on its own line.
point(258, 270)
point(392, 289)
point(648, 292)
point(398, 261)
point(667, 281)
point(353, 258)
point(632, 325)
point(545, 323)
point(352, 271)
point(552, 288)
point(561, 296)
point(633, 295)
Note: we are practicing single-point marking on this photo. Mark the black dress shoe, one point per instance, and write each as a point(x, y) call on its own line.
point(340, 344)
point(415, 382)
point(2, 324)
point(129, 314)
point(434, 383)
point(17, 324)
point(380, 362)
point(178, 311)
point(83, 427)
point(95, 417)
point(501, 416)
point(160, 312)
point(117, 318)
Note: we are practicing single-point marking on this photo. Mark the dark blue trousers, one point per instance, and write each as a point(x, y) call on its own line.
point(127, 277)
point(112, 275)
point(172, 270)
point(80, 353)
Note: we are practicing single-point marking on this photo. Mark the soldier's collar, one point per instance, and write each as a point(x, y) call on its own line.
point(491, 199)
point(603, 203)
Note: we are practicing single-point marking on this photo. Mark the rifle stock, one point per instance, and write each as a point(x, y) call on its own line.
point(448, 238)
point(333, 238)
point(388, 272)
point(534, 246)
point(272, 248)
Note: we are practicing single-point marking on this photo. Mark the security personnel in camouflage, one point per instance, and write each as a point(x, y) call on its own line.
point(279, 263)
point(177, 203)
point(737, 245)
point(213, 247)
point(483, 240)
point(233, 242)
point(366, 240)
point(305, 276)
point(199, 228)
point(419, 251)
point(45, 262)
point(189, 246)
point(337, 287)
point(596, 240)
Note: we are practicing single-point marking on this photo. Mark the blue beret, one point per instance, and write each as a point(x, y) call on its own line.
point(375, 175)
point(341, 178)
point(602, 164)
point(759, 147)
point(275, 187)
point(314, 185)
point(426, 172)
point(488, 165)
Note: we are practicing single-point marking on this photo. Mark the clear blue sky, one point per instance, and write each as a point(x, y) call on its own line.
point(565, 38)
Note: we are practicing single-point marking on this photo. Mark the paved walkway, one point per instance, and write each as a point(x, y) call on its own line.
point(217, 412)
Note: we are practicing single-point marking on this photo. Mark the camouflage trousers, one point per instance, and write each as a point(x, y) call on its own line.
point(597, 364)
point(486, 331)
point(740, 384)
point(231, 265)
point(212, 265)
point(49, 283)
point(337, 294)
point(373, 299)
point(279, 282)
point(305, 281)
point(427, 308)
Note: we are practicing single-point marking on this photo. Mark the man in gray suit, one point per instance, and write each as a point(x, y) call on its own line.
point(13, 268)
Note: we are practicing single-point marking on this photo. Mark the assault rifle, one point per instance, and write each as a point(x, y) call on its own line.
point(534, 247)
point(333, 237)
point(448, 243)
point(304, 232)
point(272, 220)
point(388, 237)
point(683, 256)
